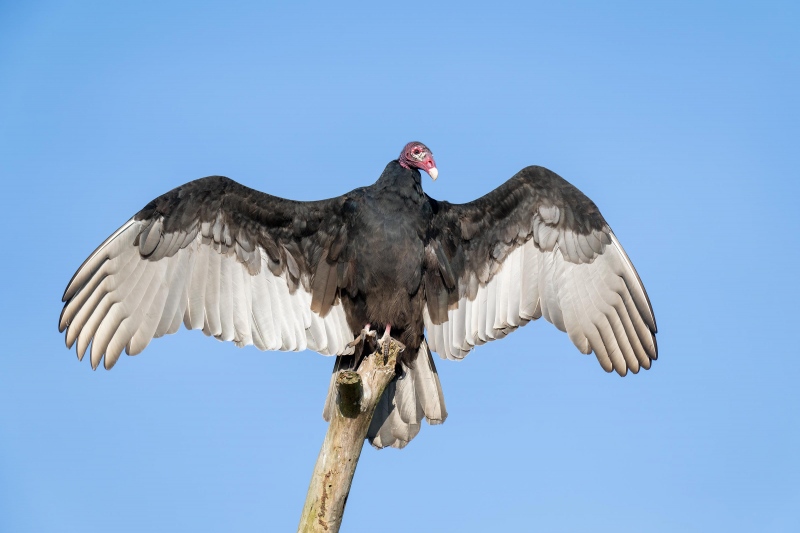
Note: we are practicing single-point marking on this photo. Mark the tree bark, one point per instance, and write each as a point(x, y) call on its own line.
point(357, 396)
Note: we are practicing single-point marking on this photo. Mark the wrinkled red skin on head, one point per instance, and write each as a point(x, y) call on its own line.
point(407, 157)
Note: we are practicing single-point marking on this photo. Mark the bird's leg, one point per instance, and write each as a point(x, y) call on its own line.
point(386, 341)
point(362, 337)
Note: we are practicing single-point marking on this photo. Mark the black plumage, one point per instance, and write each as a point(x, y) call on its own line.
point(257, 269)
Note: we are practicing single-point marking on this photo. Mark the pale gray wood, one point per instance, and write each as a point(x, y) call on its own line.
point(357, 397)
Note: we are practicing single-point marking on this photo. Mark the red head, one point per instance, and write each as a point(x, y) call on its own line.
point(417, 155)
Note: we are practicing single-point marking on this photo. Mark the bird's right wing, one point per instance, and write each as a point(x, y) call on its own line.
point(535, 246)
point(215, 255)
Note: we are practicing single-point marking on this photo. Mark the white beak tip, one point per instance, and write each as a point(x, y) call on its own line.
point(433, 173)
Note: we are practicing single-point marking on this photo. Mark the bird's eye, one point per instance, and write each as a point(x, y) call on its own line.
point(416, 150)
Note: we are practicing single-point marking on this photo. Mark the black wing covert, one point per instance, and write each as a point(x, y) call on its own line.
point(241, 265)
point(535, 246)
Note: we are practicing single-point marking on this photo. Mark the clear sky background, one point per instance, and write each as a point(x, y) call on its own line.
point(679, 119)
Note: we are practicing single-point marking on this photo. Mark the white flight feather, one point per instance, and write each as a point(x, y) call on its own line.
point(597, 298)
point(121, 300)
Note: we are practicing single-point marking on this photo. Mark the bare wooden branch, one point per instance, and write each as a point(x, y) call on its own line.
point(358, 394)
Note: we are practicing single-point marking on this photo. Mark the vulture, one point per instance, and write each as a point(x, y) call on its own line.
point(248, 267)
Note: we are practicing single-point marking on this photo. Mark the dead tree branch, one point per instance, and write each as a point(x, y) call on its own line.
point(357, 396)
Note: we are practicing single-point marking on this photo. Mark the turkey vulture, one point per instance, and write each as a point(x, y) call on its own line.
point(252, 268)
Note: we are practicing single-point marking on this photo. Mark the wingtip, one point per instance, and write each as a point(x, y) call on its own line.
point(109, 362)
point(436, 421)
point(62, 324)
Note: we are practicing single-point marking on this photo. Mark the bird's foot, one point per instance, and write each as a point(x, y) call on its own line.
point(362, 337)
point(386, 341)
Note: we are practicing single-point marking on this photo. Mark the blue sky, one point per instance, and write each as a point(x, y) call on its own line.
point(679, 119)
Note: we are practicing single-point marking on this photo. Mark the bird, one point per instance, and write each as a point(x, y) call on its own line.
point(437, 277)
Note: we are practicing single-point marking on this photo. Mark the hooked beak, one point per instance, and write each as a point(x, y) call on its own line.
point(429, 166)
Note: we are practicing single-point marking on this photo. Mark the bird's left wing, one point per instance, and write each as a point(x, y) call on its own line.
point(215, 255)
point(535, 246)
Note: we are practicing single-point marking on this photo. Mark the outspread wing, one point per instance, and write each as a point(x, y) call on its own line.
point(239, 264)
point(535, 246)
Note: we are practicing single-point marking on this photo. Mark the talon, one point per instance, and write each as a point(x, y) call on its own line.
point(386, 336)
point(366, 332)
point(384, 345)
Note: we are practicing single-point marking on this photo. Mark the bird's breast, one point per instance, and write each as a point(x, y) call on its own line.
point(390, 251)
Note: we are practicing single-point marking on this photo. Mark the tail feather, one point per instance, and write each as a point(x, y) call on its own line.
point(428, 387)
point(415, 393)
point(388, 427)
